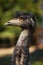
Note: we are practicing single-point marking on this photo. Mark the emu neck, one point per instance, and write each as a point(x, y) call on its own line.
point(24, 37)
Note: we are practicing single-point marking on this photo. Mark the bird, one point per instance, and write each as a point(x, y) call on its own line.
point(27, 21)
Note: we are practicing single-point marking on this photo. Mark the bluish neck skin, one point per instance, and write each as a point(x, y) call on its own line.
point(23, 43)
point(24, 38)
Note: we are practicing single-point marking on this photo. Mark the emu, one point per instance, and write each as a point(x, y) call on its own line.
point(27, 21)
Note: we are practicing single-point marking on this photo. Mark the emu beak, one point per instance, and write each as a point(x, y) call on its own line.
point(14, 22)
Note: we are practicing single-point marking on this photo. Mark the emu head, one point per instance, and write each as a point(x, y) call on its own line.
point(24, 20)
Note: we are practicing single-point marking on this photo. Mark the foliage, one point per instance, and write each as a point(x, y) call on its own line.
point(8, 8)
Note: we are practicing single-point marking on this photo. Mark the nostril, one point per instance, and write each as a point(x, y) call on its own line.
point(8, 22)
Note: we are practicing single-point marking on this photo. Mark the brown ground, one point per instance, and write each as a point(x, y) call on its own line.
point(6, 51)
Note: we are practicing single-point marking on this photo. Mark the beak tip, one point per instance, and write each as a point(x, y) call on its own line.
point(5, 24)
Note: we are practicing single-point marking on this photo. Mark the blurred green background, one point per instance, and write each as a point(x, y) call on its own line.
point(8, 8)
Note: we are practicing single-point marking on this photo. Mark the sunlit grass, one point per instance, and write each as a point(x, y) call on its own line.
point(38, 63)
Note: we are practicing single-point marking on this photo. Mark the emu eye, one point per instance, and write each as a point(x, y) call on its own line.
point(21, 17)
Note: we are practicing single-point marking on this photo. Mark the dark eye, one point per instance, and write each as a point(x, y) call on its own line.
point(21, 17)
